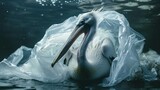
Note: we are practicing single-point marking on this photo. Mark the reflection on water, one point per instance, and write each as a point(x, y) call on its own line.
point(23, 22)
point(31, 85)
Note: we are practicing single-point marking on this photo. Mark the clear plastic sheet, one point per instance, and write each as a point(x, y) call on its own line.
point(35, 63)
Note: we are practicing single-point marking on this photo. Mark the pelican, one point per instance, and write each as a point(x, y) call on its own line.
point(87, 63)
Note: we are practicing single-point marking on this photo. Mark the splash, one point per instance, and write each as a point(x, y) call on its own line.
point(72, 2)
point(56, 2)
point(150, 65)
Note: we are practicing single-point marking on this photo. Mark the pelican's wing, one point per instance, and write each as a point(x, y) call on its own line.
point(108, 49)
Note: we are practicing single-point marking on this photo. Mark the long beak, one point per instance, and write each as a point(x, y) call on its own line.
point(74, 35)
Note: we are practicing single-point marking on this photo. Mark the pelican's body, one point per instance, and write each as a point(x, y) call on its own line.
point(92, 59)
point(96, 66)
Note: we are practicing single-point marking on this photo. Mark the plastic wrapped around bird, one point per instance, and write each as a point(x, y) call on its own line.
point(35, 63)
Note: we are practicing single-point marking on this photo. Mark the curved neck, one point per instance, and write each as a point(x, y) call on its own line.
point(81, 55)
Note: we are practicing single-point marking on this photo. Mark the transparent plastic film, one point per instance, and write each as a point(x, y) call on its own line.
point(35, 63)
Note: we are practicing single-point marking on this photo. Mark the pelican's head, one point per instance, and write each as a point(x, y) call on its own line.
point(88, 18)
point(84, 25)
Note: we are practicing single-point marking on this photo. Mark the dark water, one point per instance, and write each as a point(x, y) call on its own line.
point(24, 22)
point(32, 85)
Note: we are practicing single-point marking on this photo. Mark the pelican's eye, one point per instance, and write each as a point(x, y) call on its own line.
point(82, 22)
point(85, 20)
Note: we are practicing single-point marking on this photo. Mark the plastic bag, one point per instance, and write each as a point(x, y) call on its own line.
point(35, 63)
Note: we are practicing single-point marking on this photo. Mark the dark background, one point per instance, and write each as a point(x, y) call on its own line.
point(24, 22)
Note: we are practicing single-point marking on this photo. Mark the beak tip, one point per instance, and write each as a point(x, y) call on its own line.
point(52, 65)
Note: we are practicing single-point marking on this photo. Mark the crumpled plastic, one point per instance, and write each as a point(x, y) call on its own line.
point(35, 63)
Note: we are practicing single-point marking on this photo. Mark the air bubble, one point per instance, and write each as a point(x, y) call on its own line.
point(42, 14)
point(61, 14)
